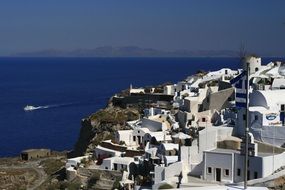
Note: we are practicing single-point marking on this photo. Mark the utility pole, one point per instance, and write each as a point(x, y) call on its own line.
point(246, 126)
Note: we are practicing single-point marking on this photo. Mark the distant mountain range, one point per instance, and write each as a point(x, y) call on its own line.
point(127, 51)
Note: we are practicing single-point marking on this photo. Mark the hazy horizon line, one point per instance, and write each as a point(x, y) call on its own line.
point(130, 51)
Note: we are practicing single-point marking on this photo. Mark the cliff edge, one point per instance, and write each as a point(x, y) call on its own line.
point(101, 126)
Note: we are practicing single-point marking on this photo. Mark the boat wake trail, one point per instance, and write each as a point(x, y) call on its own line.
point(95, 101)
point(32, 108)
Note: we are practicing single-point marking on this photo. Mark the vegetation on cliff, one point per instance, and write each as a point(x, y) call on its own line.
point(101, 126)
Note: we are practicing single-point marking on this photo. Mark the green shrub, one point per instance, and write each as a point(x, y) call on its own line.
point(116, 184)
point(165, 186)
point(93, 180)
point(51, 165)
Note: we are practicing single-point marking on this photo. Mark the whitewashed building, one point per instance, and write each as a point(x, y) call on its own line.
point(267, 109)
point(155, 124)
point(102, 152)
point(227, 165)
point(118, 163)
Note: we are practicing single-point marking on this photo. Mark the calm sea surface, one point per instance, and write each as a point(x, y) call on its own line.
point(73, 88)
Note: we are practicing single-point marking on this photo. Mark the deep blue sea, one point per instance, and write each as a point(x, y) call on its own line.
point(73, 88)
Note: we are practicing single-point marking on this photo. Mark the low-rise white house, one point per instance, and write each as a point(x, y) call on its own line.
point(160, 136)
point(169, 149)
point(156, 123)
point(124, 136)
point(102, 152)
point(192, 156)
point(74, 162)
point(140, 137)
point(171, 174)
point(226, 165)
point(136, 90)
point(117, 163)
point(169, 90)
point(219, 165)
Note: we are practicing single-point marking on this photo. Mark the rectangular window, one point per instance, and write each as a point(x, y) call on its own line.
point(115, 166)
point(134, 138)
point(209, 170)
point(238, 172)
point(244, 117)
point(256, 117)
point(282, 107)
point(226, 172)
point(255, 175)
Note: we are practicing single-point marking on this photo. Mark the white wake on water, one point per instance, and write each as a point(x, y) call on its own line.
point(32, 108)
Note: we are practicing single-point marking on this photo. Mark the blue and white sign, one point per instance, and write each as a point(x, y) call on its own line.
point(271, 116)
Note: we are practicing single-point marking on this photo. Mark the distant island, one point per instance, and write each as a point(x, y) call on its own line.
point(126, 51)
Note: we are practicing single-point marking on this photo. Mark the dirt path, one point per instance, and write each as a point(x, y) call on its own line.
point(31, 165)
point(41, 175)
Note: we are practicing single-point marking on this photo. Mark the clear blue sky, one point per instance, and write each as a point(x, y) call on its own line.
point(31, 25)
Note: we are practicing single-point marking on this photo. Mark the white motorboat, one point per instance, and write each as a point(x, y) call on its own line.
point(30, 108)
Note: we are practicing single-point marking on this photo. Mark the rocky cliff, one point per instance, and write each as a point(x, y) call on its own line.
point(101, 126)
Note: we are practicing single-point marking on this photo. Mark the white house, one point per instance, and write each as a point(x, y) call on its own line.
point(141, 136)
point(155, 111)
point(160, 136)
point(226, 165)
point(192, 156)
point(168, 89)
point(136, 90)
point(74, 162)
point(124, 136)
point(117, 163)
point(156, 123)
point(102, 152)
point(169, 174)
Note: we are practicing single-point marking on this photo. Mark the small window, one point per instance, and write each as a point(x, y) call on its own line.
point(106, 168)
point(209, 170)
point(138, 131)
point(238, 172)
point(134, 138)
point(115, 166)
point(226, 172)
point(282, 107)
point(203, 119)
point(244, 117)
point(256, 117)
point(255, 175)
point(256, 69)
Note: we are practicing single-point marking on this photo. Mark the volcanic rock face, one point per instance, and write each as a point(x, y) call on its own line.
point(101, 126)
